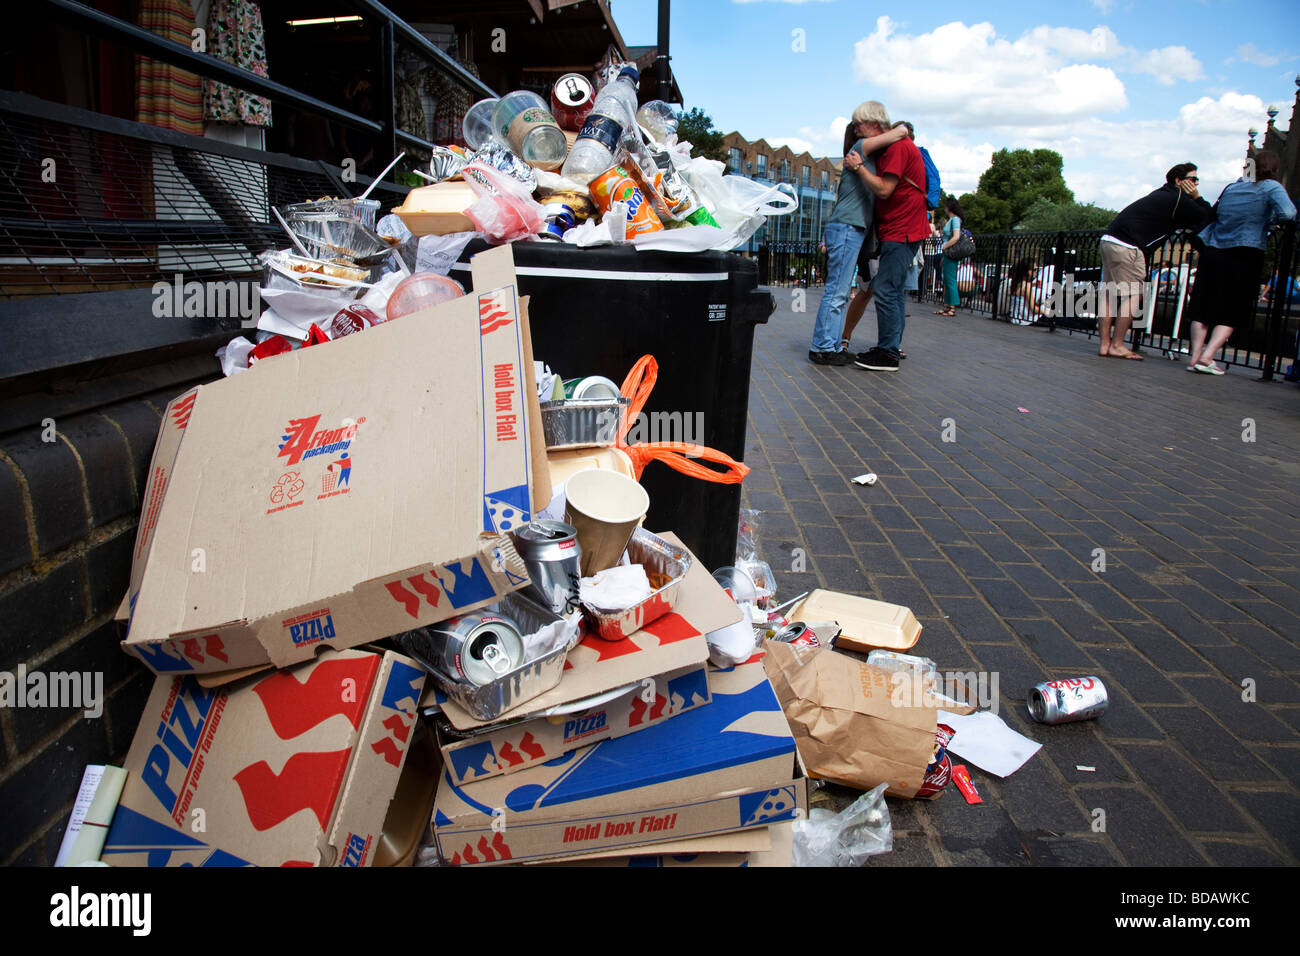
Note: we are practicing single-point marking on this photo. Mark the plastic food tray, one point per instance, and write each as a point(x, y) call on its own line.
point(658, 557)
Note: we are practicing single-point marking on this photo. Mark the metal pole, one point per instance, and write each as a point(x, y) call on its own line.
point(663, 73)
point(387, 89)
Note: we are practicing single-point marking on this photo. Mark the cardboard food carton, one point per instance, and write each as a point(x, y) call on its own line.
point(729, 765)
point(294, 767)
point(494, 750)
point(345, 492)
point(865, 624)
point(597, 666)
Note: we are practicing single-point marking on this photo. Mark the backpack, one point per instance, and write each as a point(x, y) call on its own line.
point(933, 191)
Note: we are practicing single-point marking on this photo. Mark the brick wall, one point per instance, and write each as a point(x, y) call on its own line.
point(68, 514)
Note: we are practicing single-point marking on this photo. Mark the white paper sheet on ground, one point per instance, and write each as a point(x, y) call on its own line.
point(984, 739)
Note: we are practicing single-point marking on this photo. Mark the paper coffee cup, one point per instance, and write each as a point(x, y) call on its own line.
point(605, 508)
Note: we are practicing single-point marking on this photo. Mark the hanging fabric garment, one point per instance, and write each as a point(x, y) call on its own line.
point(166, 95)
point(454, 102)
point(236, 35)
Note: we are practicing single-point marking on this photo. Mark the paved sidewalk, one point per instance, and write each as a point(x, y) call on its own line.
point(991, 539)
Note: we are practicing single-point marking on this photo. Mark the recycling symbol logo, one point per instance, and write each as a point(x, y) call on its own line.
point(289, 486)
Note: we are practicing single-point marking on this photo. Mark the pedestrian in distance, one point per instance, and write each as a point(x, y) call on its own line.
point(1223, 298)
point(951, 234)
point(845, 231)
point(902, 222)
point(1018, 300)
point(1126, 248)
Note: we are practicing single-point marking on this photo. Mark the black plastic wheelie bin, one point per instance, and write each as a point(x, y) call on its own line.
point(595, 311)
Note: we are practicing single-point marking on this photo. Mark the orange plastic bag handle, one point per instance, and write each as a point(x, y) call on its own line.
point(680, 456)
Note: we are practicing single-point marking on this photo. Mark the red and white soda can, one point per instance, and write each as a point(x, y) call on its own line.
point(1067, 700)
point(572, 98)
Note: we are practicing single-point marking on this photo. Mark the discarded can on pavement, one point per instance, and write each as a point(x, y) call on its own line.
point(1064, 701)
point(798, 633)
point(477, 648)
point(553, 556)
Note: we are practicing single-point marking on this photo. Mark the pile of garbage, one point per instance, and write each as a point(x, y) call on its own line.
point(590, 168)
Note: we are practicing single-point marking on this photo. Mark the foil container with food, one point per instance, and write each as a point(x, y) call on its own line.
point(582, 422)
point(334, 228)
point(665, 565)
point(527, 680)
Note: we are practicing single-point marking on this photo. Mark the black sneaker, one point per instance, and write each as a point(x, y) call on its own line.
point(830, 358)
point(877, 360)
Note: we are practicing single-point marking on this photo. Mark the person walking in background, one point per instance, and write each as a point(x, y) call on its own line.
point(901, 223)
point(845, 231)
point(1126, 249)
point(951, 233)
point(1228, 274)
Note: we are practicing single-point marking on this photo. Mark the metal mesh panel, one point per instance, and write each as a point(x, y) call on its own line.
point(85, 209)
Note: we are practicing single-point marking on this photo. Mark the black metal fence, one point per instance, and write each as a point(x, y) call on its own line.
point(1065, 273)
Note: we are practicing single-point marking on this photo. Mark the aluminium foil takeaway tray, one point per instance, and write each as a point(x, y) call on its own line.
point(489, 701)
point(583, 422)
point(661, 559)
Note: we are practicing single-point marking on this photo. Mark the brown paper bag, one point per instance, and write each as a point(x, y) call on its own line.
point(846, 723)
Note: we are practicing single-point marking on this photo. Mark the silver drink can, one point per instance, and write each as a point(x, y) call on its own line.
point(1064, 701)
point(552, 554)
point(475, 648)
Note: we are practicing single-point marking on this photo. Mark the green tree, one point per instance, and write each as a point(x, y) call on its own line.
point(696, 127)
point(1020, 177)
point(986, 214)
point(1047, 216)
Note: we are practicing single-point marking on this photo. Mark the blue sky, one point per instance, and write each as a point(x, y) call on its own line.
point(1122, 89)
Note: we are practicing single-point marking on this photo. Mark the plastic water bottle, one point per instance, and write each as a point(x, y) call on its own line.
point(607, 123)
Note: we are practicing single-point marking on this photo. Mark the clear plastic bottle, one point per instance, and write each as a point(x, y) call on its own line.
point(609, 120)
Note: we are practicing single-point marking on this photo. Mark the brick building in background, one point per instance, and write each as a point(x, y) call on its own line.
point(815, 180)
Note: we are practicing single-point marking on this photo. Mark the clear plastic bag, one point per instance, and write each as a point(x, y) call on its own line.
point(861, 830)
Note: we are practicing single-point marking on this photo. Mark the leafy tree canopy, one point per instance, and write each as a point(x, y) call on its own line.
point(1019, 177)
point(1047, 216)
point(696, 127)
point(986, 214)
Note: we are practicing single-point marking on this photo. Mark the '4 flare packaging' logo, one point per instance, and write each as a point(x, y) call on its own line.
point(302, 439)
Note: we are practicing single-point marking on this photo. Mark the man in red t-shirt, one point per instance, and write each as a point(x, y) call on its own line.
point(902, 222)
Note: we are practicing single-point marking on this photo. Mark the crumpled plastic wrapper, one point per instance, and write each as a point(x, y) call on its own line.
point(505, 210)
point(498, 156)
point(860, 830)
point(615, 589)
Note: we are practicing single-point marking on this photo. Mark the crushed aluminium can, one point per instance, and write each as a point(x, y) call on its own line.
point(477, 648)
point(552, 555)
point(1064, 701)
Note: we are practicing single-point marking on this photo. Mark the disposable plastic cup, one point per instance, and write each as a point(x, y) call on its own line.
point(420, 291)
point(523, 121)
point(477, 125)
point(605, 508)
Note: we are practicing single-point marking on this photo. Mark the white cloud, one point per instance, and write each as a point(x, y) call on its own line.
point(1249, 53)
point(794, 142)
point(960, 165)
point(1100, 42)
point(969, 76)
point(1169, 64)
point(1104, 5)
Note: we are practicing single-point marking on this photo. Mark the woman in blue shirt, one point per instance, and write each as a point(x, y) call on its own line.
point(951, 233)
point(1227, 277)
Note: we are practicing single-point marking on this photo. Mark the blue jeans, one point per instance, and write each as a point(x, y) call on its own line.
point(843, 242)
point(891, 292)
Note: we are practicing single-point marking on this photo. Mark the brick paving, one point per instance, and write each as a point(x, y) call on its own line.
point(990, 538)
